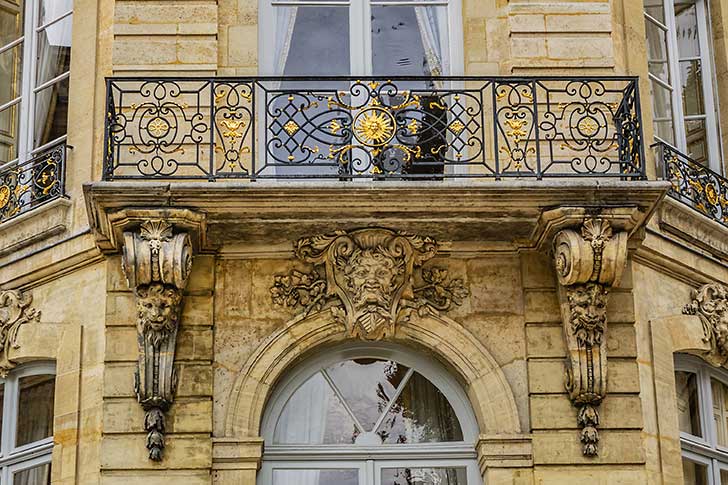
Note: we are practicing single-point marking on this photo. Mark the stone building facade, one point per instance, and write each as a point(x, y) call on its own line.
point(179, 263)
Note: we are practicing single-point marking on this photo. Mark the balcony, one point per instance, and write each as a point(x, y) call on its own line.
point(375, 129)
point(694, 184)
point(34, 182)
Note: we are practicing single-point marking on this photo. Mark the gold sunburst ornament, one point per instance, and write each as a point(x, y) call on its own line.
point(374, 127)
point(4, 196)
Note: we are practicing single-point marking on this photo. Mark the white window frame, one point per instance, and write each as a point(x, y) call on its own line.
point(694, 448)
point(360, 37)
point(709, 80)
point(371, 459)
point(28, 90)
point(14, 459)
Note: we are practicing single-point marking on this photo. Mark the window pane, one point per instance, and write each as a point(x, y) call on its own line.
point(367, 386)
point(686, 22)
point(694, 473)
point(724, 477)
point(656, 9)
point(315, 477)
point(421, 414)
point(408, 40)
point(312, 41)
point(38, 475)
point(424, 476)
point(54, 51)
point(11, 22)
point(720, 411)
point(35, 409)
point(691, 80)
point(697, 140)
point(688, 407)
point(314, 416)
point(51, 113)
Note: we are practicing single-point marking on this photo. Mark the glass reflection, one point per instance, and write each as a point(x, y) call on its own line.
point(38, 475)
point(688, 407)
point(424, 476)
point(315, 477)
point(421, 414)
point(35, 419)
point(694, 473)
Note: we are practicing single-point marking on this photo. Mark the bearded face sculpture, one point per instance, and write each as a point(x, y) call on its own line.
point(158, 308)
point(588, 312)
point(371, 277)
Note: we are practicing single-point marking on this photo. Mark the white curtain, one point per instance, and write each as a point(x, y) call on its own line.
point(303, 421)
point(432, 22)
point(53, 51)
point(285, 23)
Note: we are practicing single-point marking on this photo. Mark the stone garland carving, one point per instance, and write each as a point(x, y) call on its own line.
point(157, 264)
point(710, 303)
point(15, 311)
point(366, 277)
point(587, 264)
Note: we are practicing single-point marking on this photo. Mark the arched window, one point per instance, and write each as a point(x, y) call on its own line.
point(361, 37)
point(367, 415)
point(26, 441)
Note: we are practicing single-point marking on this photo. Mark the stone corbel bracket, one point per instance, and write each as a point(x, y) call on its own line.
point(15, 311)
point(157, 260)
point(588, 261)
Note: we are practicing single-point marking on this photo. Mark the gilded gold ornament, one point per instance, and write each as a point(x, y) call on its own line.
point(4, 196)
point(374, 127)
point(291, 127)
point(158, 127)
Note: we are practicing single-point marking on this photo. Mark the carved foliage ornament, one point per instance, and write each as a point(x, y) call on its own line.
point(157, 263)
point(15, 311)
point(710, 303)
point(587, 263)
point(366, 277)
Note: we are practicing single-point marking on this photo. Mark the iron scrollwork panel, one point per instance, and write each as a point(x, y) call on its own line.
point(27, 185)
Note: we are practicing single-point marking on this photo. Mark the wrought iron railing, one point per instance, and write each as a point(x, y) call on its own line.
point(31, 183)
point(345, 128)
point(694, 183)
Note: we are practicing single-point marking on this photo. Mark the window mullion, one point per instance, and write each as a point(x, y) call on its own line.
point(360, 54)
point(10, 405)
point(674, 55)
point(334, 388)
point(706, 409)
point(25, 131)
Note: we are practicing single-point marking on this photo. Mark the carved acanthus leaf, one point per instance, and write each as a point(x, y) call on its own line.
point(710, 303)
point(15, 311)
point(365, 277)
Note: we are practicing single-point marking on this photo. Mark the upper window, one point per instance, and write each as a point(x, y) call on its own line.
point(702, 405)
point(35, 54)
point(680, 70)
point(360, 37)
point(26, 421)
point(369, 415)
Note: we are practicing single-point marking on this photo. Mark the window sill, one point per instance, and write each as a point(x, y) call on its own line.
point(693, 227)
point(41, 223)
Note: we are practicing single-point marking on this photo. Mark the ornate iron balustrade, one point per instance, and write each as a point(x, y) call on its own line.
point(27, 185)
point(694, 184)
point(346, 128)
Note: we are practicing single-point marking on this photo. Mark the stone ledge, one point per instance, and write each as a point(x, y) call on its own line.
point(484, 215)
point(504, 451)
point(691, 226)
point(38, 224)
point(236, 453)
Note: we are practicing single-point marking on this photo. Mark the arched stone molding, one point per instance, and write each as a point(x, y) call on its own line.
point(488, 390)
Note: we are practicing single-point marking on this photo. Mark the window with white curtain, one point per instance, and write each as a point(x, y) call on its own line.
point(367, 415)
point(702, 406)
point(361, 37)
point(26, 421)
point(681, 74)
point(35, 55)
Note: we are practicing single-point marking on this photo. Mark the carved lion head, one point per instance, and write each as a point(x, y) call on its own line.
point(157, 311)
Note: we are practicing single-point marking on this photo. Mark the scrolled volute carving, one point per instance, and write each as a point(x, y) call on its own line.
point(366, 278)
point(587, 262)
point(15, 311)
point(157, 263)
point(710, 303)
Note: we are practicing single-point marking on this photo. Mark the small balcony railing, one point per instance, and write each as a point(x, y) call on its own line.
point(34, 182)
point(348, 128)
point(694, 184)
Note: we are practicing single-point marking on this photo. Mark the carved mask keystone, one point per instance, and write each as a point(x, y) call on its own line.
point(15, 311)
point(366, 278)
point(710, 303)
point(588, 262)
point(157, 262)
